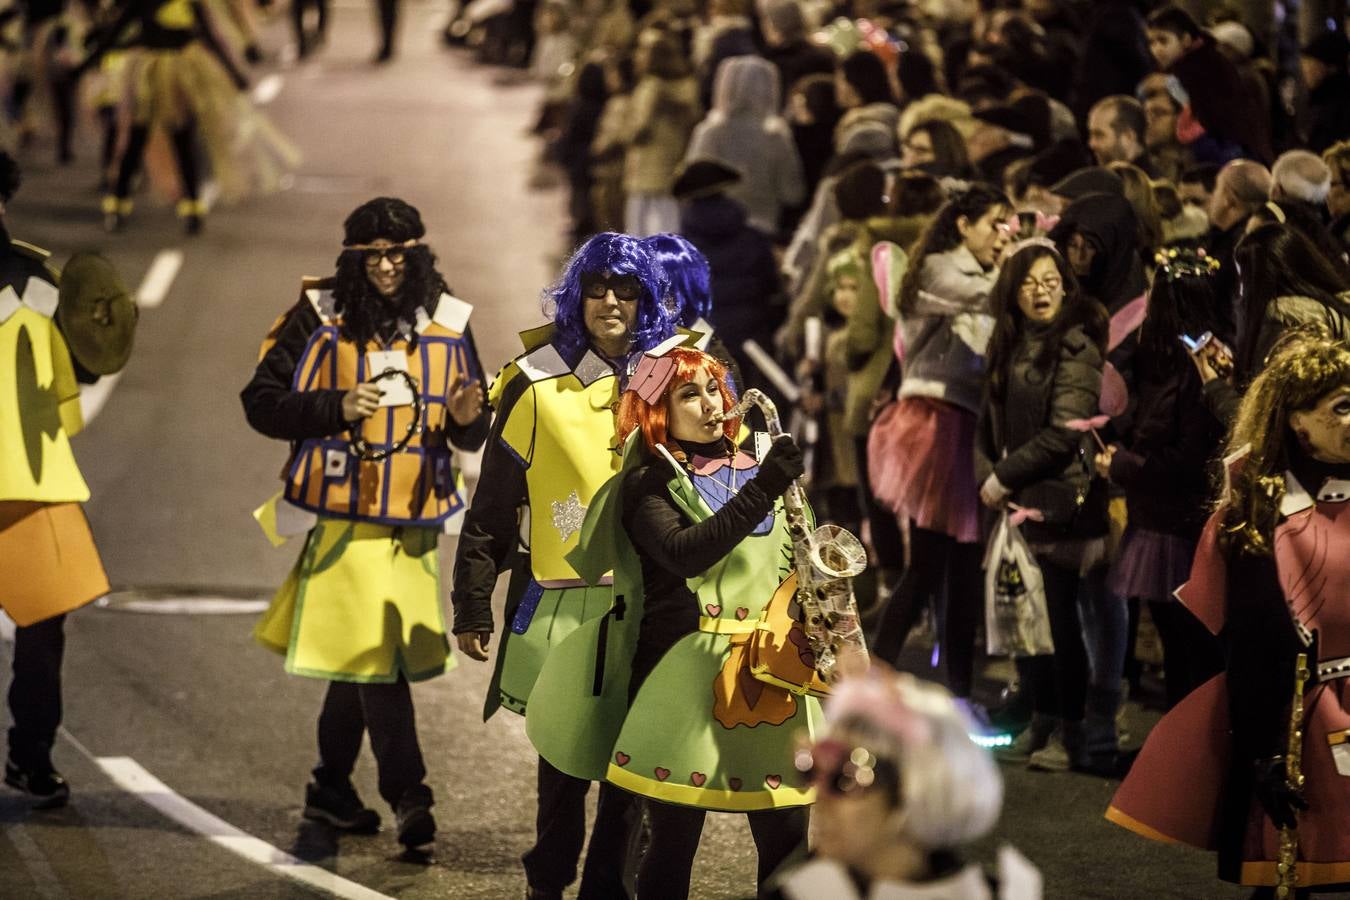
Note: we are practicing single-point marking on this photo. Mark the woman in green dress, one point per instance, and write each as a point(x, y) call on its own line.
point(707, 526)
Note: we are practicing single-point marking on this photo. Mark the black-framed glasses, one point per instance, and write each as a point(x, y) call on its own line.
point(395, 255)
point(594, 286)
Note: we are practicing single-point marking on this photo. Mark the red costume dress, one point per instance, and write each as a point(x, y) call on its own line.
point(1194, 781)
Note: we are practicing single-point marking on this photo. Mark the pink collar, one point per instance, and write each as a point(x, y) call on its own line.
point(702, 465)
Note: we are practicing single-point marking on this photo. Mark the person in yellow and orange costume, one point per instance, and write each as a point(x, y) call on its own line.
point(47, 555)
point(373, 377)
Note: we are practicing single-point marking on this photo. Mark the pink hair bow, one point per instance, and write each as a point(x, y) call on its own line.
point(650, 378)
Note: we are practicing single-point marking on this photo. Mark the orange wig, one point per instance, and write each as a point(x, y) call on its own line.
point(634, 412)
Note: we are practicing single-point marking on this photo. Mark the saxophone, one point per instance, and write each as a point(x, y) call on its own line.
point(1286, 868)
point(826, 560)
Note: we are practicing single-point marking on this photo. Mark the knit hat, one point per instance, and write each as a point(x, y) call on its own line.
point(860, 192)
point(1331, 48)
point(703, 178)
point(384, 217)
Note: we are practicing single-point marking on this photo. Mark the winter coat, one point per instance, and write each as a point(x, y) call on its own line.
point(1115, 55)
point(1329, 112)
point(1219, 102)
point(1165, 468)
point(746, 289)
point(797, 59)
point(870, 329)
point(947, 332)
point(721, 39)
point(1024, 438)
point(661, 114)
point(745, 132)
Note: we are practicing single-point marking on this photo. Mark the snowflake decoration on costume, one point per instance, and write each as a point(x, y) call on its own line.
point(568, 515)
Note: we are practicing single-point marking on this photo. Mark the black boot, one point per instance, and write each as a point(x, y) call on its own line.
point(341, 807)
point(42, 782)
point(1100, 750)
point(416, 826)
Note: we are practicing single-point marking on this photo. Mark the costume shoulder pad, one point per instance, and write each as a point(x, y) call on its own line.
point(452, 313)
point(545, 362)
point(319, 293)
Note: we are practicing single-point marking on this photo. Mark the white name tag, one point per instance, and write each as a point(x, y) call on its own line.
point(393, 391)
point(335, 464)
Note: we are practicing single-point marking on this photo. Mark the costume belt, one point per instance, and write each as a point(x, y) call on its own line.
point(1331, 669)
point(726, 626)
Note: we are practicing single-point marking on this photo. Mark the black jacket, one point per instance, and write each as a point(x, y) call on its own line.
point(746, 288)
point(1047, 465)
point(1329, 112)
point(1165, 467)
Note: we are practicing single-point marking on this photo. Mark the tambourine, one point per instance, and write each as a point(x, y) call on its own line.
point(358, 445)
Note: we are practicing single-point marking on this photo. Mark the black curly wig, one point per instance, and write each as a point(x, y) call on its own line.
point(364, 309)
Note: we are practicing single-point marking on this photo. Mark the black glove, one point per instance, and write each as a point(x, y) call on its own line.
point(1281, 800)
point(782, 465)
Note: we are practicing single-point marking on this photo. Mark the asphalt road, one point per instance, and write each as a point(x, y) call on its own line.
point(175, 472)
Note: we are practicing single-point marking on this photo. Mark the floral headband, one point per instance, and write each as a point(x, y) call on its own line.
point(1182, 262)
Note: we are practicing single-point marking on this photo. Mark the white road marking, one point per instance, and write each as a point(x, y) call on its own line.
point(198, 606)
point(127, 774)
point(93, 396)
point(159, 278)
point(266, 90)
point(45, 881)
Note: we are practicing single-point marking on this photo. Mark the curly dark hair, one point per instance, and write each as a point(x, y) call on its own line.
point(364, 309)
point(10, 177)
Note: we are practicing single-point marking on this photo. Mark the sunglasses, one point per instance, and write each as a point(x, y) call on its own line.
point(395, 255)
point(625, 287)
point(840, 769)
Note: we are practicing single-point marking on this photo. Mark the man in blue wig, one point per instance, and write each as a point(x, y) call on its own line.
point(551, 450)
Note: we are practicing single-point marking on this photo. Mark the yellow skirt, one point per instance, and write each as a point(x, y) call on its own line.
point(49, 561)
point(361, 604)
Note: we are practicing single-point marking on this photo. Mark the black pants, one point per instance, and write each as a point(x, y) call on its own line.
point(183, 151)
point(304, 38)
point(675, 835)
point(936, 561)
point(887, 543)
point(388, 10)
point(384, 710)
point(35, 692)
point(560, 830)
point(1191, 654)
point(1058, 682)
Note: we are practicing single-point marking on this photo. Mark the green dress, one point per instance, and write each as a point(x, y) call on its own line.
point(701, 731)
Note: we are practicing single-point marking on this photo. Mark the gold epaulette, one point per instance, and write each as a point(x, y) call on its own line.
point(33, 251)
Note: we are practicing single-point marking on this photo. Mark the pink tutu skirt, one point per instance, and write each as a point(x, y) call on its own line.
point(921, 463)
point(1150, 565)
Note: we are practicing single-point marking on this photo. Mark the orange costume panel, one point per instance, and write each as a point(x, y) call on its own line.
point(417, 486)
point(50, 563)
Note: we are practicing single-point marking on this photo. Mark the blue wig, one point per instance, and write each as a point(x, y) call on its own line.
point(618, 254)
point(687, 269)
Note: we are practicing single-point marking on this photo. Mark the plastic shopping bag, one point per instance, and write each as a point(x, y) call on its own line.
point(1016, 622)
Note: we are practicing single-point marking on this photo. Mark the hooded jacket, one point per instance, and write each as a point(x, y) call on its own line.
point(744, 131)
point(746, 288)
point(1108, 222)
point(661, 114)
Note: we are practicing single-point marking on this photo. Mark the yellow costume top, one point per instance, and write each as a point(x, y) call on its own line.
point(40, 404)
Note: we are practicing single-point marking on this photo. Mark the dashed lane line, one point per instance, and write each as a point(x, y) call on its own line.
point(127, 774)
point(131, 777)
point(159, 278)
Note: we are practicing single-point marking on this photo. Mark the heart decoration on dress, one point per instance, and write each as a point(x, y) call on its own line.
point(622, 758)
point(662, 774)
point(773, 781)
point(698, 778)
point(734, 783)
point(742, 612)
point(713, 609)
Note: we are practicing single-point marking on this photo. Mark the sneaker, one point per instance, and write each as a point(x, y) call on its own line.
point(416, 826)
point(1031, 740)
point(340, 807)
point(1053, 757)
point(45, 784)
